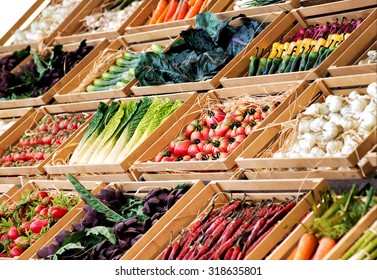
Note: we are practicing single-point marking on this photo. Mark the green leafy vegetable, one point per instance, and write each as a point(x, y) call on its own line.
point(104, 231)
point(94, 202)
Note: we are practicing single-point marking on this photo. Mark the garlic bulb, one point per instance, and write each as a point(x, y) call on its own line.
point(372, 90)
point(312, 109)
point(304, 125)
point(317, 124)
point(330, 131)
point(348, 123)
point(333, 147)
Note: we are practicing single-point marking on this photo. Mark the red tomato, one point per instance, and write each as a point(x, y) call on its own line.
point(37, 226)
point(24, 141)
point(13, 233)
point(193, 149)
point(16, 251)
point(191, 128)
point(181, 148)
point(208, 148)
point(168, 159)
point(57, 212)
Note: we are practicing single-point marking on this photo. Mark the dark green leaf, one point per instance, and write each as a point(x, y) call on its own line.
point(94, 202)
point(104, 231)
point(70, 246)
point(198, 39)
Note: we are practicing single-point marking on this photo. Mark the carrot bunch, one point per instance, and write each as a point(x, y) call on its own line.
point(171, 10)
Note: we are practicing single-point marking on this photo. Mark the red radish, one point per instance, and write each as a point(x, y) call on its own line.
point(41, 194)
point(37, 226)
point(25, 226)
point(22, 242)
point(39, 208)
point(16, 251)
point(13, 233)
point(57, 212)
point(44, 212)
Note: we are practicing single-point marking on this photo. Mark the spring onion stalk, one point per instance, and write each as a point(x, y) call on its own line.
point(364, 246)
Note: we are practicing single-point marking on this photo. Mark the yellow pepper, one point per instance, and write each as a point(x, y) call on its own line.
point(285, 48)
point(306, 44)
point(299, 47)
point(321, 42)
point(274, 50)
point(290, 48)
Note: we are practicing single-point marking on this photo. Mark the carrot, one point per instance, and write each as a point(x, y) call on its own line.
point(325, 244)
point(306, 246)
point(205, 4)
point(191, 2)
point(173, 7)
point(184, 10)
point(158, 11)
point(194, 10)
point(163, 15)
point(292, 254)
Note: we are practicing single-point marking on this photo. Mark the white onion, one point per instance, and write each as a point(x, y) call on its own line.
point(372, 90)
point(358, 105)
point(317, 151)
point(368, 121)
point(313, 109)
point(346, 111)
point(353, 95)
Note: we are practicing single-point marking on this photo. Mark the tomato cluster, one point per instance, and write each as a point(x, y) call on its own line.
point(34, 146)
point(24, 221)
point(216, 133)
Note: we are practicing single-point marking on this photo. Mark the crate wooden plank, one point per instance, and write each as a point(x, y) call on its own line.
point(107, 178)
point(202, 201)
point(64, 186)
point(204, 176)
point(132, 187)
point(20, 180)
point(56, 166)
point(372, 156)
point(143, 164)
point(69, 93)
point(276, 7)
point(28, 15)
point(48, 96)
point(30, 122)
point(213, 83)
point(238, 74)
point(75, 31)
point(315, 92)
point(6, 191)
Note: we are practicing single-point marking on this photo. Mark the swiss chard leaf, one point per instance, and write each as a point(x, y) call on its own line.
point(104, 231)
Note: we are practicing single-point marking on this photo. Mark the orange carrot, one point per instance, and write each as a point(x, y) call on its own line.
point(194, 10)
point(306, 246)
point(163, 15)
point(205, 4)
point(178, 10)
point(191, 2)
point(292, 254)
point(184, 10)
point(158, 11)
point(325, 244)
point(173, 7)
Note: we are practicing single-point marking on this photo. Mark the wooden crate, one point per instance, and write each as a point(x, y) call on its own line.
point(104, 177)
point(139, 24)
point(213, 83)
point(282, 6)
point(268, 139)
point(75, 30)
point(50, 185)
point(283, 250)
point(142, 188)
point(16, 115)
point(31, 123)
point(347, 63)
point(372, 156)
point(6, 191)
point(256, 190)
point(21, 180)
point(238, 74)
point(48, 39)
point(66, 94)
point(144, 164)
point(56, 166)
point(48, 96)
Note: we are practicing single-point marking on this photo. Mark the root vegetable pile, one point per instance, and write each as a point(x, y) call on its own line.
point(113, 18)
point(24, 221)
point(220, 130)
point(46, 22)
point(10, 61)
point(335, 127)
point(37, 144)
point(307, 49)
point(230, 232)
point(113, 223)
point(334, 217)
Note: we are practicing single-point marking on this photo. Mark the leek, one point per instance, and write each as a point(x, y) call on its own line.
point(93, 131)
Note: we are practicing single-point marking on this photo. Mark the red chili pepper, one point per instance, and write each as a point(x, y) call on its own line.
point(215, 223)
point(260, 223)
point(191, 253)
point(241, 256)
point(174, 251)
point(230, 208)
point(165, 255)
point(229, 253)
point(223, 248)
point(230, 230)
point(259, 240)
